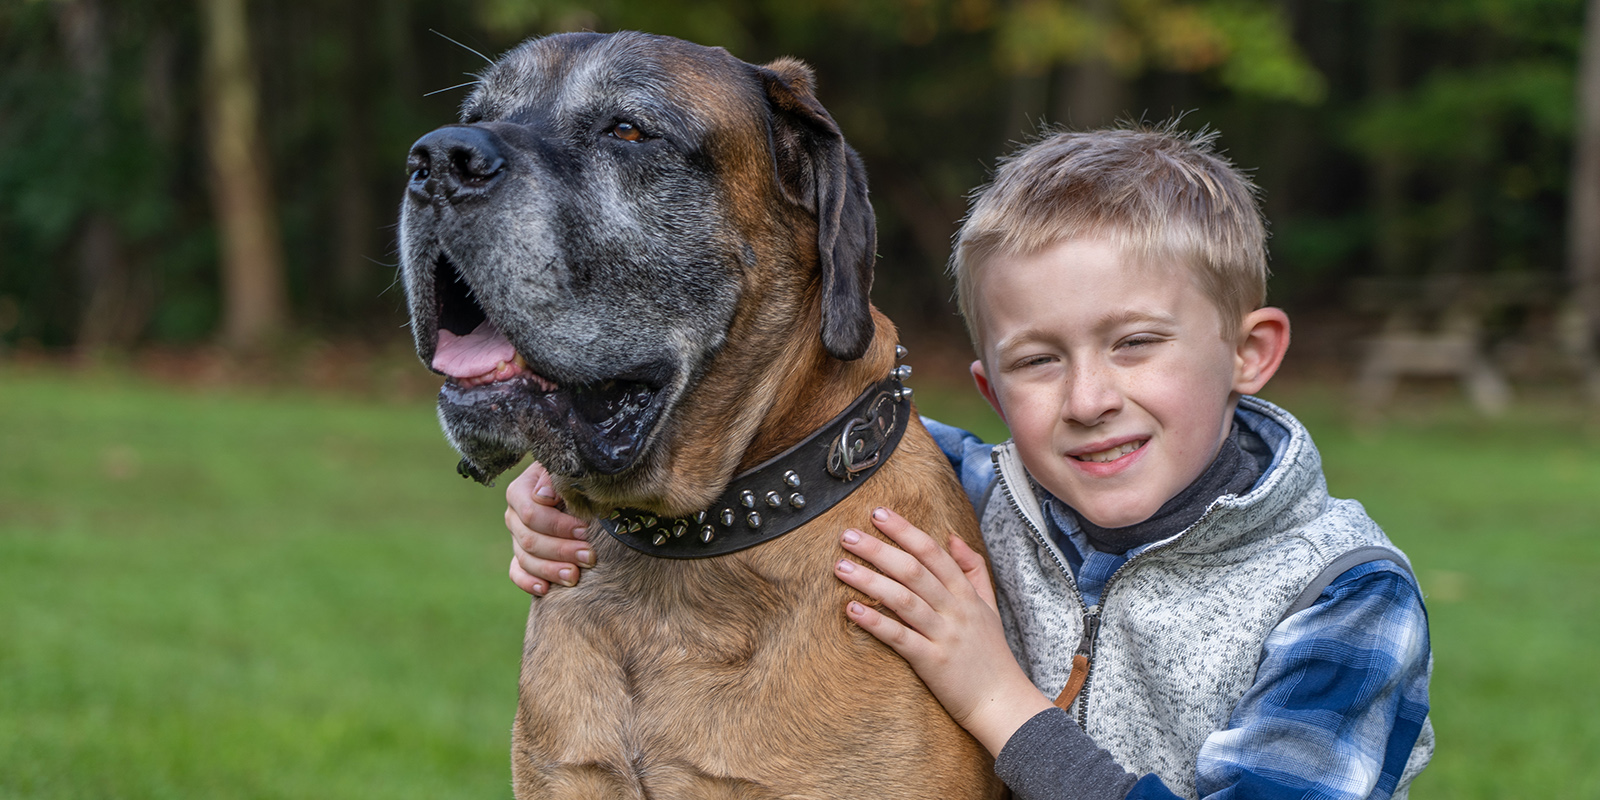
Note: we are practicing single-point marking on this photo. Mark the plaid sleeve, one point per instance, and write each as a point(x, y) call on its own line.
point(1339, 699)
point(968, 454)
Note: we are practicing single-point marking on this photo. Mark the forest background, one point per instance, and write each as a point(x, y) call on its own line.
point(235, 561)
point(177, 172)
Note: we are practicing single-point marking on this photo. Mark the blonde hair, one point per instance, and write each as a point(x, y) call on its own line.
point(1160, 196)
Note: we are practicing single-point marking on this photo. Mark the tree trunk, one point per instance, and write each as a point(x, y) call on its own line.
point(1583, 217)
point(255, 297)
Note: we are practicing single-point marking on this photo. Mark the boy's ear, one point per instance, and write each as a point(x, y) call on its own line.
point(1263, 340)
point(980, 377)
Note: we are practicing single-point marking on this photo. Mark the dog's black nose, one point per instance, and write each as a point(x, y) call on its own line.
point(454, 163)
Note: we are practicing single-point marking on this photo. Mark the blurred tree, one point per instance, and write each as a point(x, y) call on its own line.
point(255, 299)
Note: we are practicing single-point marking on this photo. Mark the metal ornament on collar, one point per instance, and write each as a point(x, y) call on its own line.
point(789, 489)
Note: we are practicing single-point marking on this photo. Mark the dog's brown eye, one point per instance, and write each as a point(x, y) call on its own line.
point(627, 132)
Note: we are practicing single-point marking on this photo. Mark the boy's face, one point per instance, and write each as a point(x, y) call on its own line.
point(1113, 376)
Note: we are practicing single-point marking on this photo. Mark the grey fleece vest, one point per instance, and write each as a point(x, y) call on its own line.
point(1180, 627)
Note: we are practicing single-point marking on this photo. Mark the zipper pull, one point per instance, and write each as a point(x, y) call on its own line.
point(1080, 659)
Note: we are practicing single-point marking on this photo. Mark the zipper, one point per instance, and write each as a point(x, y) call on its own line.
point(1105, 593)
point(1091, 614)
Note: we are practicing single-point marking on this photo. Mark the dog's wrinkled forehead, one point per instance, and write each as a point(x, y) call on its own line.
point(574, 80)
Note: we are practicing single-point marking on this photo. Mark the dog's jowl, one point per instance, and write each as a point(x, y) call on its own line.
point(646, 263)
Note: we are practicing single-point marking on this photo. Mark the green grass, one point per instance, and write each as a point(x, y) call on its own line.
point(251, 594)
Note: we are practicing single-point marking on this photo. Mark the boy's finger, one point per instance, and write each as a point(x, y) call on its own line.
point(891, 593)
point(527, 541)
point(901, 639)
point(526, 582)
point(548, 520)
point(903, 567)
point(920, 545)
point(974, 568)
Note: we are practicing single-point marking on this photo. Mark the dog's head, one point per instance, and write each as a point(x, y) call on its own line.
point(607, 225)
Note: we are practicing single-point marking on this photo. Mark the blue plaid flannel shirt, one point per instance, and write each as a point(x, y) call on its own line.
point(1341, 693)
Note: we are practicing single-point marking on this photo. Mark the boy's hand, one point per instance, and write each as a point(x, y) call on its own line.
point(548, 545)
point(952, 635)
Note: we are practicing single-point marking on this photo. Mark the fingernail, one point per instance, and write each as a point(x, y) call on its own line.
point(545, 491)
point(856, 609)
point(566, 576)
point(586, 558)
point(845, 565)
point(851, 537)
point(880, 514)
point(538, 589)
point(580, 533)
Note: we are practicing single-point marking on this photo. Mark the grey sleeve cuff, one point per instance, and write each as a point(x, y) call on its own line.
point(1051, 757)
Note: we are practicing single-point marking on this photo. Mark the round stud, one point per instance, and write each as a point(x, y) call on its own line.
point(707, 533)
point(700, 518)
point(774, 499)
point(747, 499)
point(791, 479)
point(661, 539)
point(635, 527)
point(797, 500)
point(678, 529)
point(649, 521)
point(727, 517)
point(901, 372)
point(900, 351)
point(753, 519)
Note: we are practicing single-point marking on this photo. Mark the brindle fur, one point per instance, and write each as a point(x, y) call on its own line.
point(736, 676)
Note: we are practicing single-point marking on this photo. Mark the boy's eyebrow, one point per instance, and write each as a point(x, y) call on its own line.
point(1114, 319)
point(1129, 316)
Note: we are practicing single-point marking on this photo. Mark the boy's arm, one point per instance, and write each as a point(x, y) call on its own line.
point(1339, 700)
point(968, 454)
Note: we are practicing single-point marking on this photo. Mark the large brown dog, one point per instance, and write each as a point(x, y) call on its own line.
point(647, 262)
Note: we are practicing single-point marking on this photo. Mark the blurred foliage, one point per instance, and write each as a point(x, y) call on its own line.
point(1389, 136)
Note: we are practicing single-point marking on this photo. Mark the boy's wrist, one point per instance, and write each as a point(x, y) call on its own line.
point(1010, 703)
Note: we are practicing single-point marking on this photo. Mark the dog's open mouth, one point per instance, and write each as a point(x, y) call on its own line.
point(607, 420)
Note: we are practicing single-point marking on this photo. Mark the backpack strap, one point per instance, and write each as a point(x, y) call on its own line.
point(1341, 565)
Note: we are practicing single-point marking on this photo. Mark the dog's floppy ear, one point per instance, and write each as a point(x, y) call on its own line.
point(817, 170)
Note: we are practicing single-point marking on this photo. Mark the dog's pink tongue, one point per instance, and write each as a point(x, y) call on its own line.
point(474, 354)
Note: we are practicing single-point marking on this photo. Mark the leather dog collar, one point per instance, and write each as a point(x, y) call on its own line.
point(786, 491)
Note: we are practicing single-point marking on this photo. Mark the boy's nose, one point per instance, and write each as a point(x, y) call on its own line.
point(1092, 395)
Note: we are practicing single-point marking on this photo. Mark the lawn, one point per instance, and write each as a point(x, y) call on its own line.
point(280, 594)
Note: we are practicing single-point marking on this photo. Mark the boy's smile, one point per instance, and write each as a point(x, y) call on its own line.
point(1113, 375)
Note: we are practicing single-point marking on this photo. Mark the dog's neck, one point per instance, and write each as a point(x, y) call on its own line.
point(815, 390)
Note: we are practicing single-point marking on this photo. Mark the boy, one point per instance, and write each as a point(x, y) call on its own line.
point(1167, 557)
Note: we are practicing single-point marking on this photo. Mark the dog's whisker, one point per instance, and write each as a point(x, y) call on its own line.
point(460, 45)
point(448, 88)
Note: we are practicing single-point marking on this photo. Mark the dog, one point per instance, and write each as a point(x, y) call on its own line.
point(647, 263)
